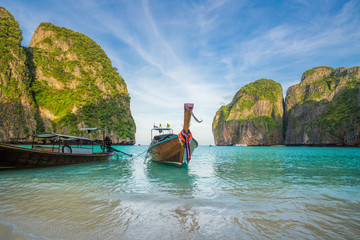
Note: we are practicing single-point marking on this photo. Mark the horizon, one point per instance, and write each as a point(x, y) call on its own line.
point(171, 53)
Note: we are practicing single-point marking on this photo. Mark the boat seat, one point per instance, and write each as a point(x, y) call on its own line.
point(159, 138)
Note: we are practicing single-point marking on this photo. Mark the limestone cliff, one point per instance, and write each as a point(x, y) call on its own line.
point(62, 82)
point(324, 109)
point(17, 108)
point(77, 86)
point(254, 117)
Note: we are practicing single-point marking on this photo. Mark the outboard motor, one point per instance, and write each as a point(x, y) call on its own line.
point(108, 143)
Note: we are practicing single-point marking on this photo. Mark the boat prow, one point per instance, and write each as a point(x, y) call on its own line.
point(171, 149)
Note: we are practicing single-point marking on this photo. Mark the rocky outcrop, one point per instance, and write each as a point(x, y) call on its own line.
point(77, 86)
point(254, 117)
point(17, 108)
point(324, 108)
point(62, 82)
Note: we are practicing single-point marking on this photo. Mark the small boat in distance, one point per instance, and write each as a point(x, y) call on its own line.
point(172, 149)
point(65, 150)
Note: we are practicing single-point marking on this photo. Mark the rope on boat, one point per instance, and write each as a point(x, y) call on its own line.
point(137, 155)
point(147, 154)
point(115, 150)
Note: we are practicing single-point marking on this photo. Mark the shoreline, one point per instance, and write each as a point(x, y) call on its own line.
point(212, 145)
point(49, 143)
point(291, 145)
point(9, 231)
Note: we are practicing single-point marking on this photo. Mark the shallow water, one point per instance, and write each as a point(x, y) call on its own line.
point(225, 193)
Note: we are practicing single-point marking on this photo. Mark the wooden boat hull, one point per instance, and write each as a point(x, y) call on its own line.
point(18, 157)
point(170, 152)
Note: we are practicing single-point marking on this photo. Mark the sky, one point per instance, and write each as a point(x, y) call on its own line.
point(172, 52)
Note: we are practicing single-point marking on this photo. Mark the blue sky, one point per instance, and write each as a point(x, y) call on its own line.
point(172, 52)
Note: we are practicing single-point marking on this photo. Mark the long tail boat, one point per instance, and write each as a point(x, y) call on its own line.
point(61, 152)
point(173, 149)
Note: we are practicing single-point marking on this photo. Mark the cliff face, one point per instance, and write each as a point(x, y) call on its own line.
point(17, 108)
point(324, 109)
point(62, 82)
point(77, 86)
point(254, 117)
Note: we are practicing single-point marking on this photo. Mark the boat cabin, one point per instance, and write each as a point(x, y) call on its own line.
point(160, 134)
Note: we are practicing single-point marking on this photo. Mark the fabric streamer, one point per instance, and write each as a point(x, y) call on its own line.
point(184, 139)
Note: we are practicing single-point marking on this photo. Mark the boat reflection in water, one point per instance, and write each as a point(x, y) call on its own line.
point(171, 180)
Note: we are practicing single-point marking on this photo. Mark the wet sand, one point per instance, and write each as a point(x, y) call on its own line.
point(7, 232)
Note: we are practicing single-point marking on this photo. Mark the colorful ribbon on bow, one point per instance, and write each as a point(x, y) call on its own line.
point(185, 139)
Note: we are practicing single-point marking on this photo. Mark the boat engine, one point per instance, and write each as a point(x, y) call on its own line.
point(109, 148)
point(108, 143)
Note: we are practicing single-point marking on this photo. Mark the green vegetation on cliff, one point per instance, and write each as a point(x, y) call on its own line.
point(77, 84)
point(262, 89)
point(313, 70)
point(63, 81)
point(342, 110)
point(17, 108)
point(324, 108)
point(10, 52)
point(253, 117)
point(247, 96)
point(10, 36)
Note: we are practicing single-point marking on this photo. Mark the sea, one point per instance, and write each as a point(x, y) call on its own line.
point(224, 193)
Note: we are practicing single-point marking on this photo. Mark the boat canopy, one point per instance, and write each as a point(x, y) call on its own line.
point(161, 129)
point(60, 136)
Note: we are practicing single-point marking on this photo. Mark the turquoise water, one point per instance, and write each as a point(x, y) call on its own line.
point(225, 193)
